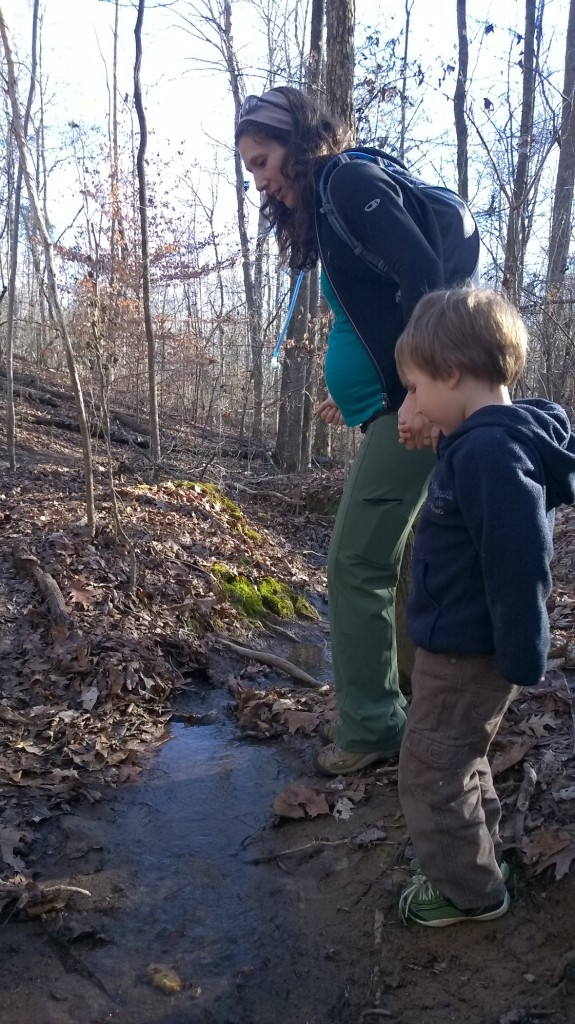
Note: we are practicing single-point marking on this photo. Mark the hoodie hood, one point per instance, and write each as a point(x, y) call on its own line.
point(541, 426)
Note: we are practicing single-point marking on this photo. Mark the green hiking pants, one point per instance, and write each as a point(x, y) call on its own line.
point(385, 489)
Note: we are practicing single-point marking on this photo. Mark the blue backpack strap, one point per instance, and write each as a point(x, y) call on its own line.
point(333, 216)
point(395, 181)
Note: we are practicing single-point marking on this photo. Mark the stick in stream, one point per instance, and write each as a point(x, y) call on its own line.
point(272, 659)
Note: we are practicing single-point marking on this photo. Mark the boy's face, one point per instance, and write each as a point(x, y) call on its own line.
point(440, 401)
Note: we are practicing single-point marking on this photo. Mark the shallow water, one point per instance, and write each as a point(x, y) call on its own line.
point(188, 895)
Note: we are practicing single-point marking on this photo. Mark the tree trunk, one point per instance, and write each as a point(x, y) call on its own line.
point(52, 287)
point(311, 370)
point(10, 417)
point(459, 101)
point(143, 201)
point(563, 201)
point(516, 233)
point(340, 60)
point(314, 64)
point(402, 140)
point(557, 366)
point(290, 425)
point(256, 331)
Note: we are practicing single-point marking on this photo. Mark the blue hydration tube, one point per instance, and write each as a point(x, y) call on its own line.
point(275, 360)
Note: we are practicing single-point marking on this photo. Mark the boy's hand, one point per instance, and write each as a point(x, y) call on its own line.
point(329, 412)
point(415, 431)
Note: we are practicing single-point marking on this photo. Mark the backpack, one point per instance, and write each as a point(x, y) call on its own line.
point(451, 230)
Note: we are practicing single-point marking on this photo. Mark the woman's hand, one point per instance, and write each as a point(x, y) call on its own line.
point(329, 412)
point(415, 431)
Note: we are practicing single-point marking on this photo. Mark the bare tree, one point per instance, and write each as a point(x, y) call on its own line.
point(54, 303)
point(146, 284)
point(563, 201)
point(460, 99)
point(559, 328)
point(404, 70)
point(210, 21)
point(516, 232)
point(10, 417)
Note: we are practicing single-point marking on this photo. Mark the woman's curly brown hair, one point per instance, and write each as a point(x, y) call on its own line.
point(317, 134)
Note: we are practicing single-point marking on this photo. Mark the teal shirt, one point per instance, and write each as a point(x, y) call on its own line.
point(350, 374)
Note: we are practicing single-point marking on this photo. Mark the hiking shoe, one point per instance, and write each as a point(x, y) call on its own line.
point(327, 731)
point(421, 903)
point(333, 760)
point(504, 868)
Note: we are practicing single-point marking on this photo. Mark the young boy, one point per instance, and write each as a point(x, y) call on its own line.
point(477, 609)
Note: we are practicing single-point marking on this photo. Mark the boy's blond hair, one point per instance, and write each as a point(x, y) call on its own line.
point(472, 330)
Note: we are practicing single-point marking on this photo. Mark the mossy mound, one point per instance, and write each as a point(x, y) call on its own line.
point(214, 493)
point(271, 595)
point(223, 504)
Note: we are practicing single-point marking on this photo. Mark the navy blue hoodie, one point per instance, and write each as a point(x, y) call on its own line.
point(483, 546)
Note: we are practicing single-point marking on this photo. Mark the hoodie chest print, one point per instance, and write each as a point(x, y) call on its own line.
point(438, 500)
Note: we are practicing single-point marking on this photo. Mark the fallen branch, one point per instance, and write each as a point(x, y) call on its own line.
point(266, 494)
point(17, 887)
point(265, 658)
point(29, 564)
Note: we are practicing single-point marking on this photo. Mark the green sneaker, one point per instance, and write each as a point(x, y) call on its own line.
point(421, 903)
point(332, 760)
point(414, 869)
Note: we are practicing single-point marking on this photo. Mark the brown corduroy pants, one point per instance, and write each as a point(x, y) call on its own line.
point(445, 783)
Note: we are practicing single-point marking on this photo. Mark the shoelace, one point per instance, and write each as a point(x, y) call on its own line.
point(420, 889)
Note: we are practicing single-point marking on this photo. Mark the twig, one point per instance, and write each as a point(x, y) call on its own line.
point(571, 708)
point(566, 960)
point(375, 1011)
point(523, 798)
point(264, 859)
point(265, 658)
point(281, 631)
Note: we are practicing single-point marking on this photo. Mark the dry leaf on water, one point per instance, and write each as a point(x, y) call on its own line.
point(165, 978)
point(299, 801)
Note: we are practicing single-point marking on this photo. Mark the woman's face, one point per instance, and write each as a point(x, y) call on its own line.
point(264, 158)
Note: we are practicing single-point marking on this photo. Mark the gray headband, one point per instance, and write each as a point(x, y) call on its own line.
point(271, 108)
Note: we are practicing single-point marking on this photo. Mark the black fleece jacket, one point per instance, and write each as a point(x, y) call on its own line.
point(378, 306)
point(480, 570)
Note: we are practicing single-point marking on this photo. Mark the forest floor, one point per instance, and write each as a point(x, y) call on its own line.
point(167, 855)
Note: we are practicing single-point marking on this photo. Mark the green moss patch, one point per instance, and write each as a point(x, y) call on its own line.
point(240, 591)
point(284, 601)
point(271, 595)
